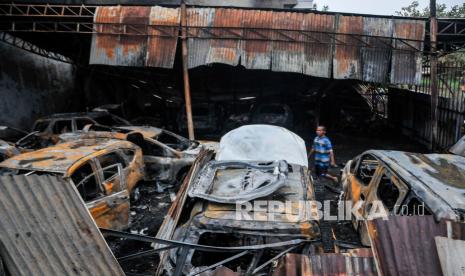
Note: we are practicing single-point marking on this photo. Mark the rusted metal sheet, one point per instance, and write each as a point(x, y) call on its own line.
point(318, 52)
point(163, 39)
point(287, 56)
point(376, 60)
point(228, 23)
point(404, 245)
point(256, 52)
point(347, 58)
point(198, 43)
point(143, 42)
point(47, 230)
point(103, 48)
point(451, 255)
point(406, 61)
point(325, 264)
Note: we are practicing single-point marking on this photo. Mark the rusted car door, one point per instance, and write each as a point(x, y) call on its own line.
point(104, 191)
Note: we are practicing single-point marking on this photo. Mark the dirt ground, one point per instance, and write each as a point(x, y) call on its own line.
point(148, 212)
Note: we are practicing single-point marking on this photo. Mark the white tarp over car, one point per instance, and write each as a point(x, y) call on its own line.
point(262, 143)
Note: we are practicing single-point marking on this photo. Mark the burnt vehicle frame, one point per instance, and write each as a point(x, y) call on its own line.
point(406, 184)
point(46, 130)
point(104, 173)
point(167, 156)
point(164, 243)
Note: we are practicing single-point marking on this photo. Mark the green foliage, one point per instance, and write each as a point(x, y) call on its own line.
point(414, 10)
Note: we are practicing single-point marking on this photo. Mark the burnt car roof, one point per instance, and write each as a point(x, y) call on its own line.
point(442, 175)
point(61, 157)
point(146, 131)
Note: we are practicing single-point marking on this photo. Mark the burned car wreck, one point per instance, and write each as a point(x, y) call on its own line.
point(240, 176)
point(406, 184)
point(103, 171)
point(46, 130)
point(167, 156)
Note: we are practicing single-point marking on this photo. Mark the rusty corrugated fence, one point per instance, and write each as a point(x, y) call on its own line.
point(330, 45)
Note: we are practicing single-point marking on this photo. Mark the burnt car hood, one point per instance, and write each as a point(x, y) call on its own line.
point(234, 181)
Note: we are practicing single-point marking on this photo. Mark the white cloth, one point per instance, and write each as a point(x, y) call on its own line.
point(262, 143)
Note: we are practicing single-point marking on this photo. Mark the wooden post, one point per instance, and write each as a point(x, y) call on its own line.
point(185, 72)
point(434, 75)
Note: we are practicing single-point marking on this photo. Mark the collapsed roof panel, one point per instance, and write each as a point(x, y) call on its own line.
point(46, 214)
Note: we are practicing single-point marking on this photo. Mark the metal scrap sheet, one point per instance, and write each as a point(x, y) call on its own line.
point(46, 229)
point(325, 264)
point(404, 245)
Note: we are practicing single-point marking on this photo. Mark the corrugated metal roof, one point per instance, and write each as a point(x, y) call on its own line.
point(347, 58)
point(197, 44)
point(321, 45)
point(406, 64)
point(47, 230)
point(376, 61)
point(325, 264)
point(150, 36)
point(256, 54)
point(225, 50)
point(318, 54)
point(404, 245)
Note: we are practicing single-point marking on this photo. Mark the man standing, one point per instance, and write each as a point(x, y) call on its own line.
point(324, 155)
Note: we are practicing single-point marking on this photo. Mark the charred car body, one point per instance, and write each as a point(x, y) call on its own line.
point(406, 184)
point(46, 130)
point(103, 171)
point(236, 177)
point(167, 156)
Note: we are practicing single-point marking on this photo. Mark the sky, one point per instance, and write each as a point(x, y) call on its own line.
point(381, 7)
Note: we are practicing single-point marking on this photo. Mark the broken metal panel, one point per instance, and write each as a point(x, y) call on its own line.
point(451, 256)
point(407, 57)
point(198, 43)
point(376, 61)
point(163, 38)
point(227, 24)
point(287, 56)
point(132, 47)
point(347, 58)
point(47, 230)
point(318, 52)
point(256, 51)
point(404, 245)
point(325, 264)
